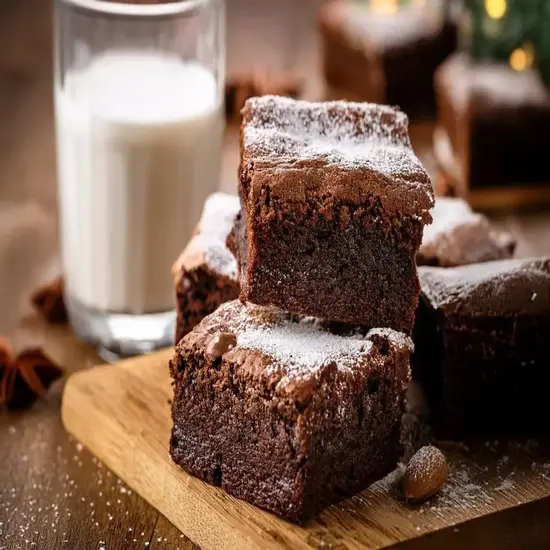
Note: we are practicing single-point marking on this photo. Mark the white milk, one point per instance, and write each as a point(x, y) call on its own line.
point(139, 144)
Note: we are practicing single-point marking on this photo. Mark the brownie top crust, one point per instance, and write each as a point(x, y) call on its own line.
point(348, 151)
point(459, 236)
point(287, 352)
point(370, 29)
point(207, 246)
point(501, 288)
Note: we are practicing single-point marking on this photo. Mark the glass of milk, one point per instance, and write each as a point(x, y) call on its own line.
point(139, 119)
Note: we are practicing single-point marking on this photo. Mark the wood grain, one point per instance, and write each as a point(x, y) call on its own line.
point(128, 407)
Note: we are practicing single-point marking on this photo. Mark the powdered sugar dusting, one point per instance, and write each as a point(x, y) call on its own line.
point(350, 135)
point(508, 87)
point(366, 27)
point(502, 287)
point(466, 83)
point(304, 345)
point(218, 257)
point(458, 236)
point(298, 345)
point(218, 215)
point(208, 245)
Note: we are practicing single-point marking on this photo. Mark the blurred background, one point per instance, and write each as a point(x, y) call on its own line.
point(261, 33)
point(484, 135)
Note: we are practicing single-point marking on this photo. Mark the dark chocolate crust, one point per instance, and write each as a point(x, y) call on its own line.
point(290, 438)
point(497, 120)
point(482, 347)
point(385, 60)
point(333, 207)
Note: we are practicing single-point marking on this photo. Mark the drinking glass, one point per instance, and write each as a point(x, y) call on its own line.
point(139, 124)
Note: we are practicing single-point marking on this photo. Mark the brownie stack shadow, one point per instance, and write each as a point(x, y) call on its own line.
point(292, 397)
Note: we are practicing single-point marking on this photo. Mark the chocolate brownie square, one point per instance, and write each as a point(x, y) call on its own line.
point(482, 347)
point(385, 58)
point(280, 412)
point(459, 236)
point(334, 202)
point(497, 122)
point(205, 274)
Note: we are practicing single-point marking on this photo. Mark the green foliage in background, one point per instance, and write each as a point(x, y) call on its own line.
point(494, 29)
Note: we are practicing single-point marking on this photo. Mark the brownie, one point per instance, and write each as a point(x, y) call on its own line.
point(497, 122)
point(459, 236)
point(205, 274)
point(385, 59)
point(283, 414)
point(334, 202)
point(482, 347)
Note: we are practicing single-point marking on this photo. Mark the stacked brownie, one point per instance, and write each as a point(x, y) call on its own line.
point(481, 330)
point(278, 399)
point(205, 274)
point(334, 202)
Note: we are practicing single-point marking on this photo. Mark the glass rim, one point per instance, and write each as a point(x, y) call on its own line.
point(137, 10)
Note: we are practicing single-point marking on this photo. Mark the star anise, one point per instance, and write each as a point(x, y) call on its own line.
point(24, 376)
point(48, 300)
point(240, 87)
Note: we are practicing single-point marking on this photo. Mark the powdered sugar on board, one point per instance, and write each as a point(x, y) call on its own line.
point(65, 498)
point(483, 478)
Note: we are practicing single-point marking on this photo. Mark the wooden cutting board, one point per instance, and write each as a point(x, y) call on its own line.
point(122, 414)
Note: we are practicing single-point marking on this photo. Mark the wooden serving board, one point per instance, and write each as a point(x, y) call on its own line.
point(122, 414)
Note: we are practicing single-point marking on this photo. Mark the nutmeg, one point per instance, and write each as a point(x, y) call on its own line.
point(425, 474)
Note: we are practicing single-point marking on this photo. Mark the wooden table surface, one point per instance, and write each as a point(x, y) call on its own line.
point(53, 493)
